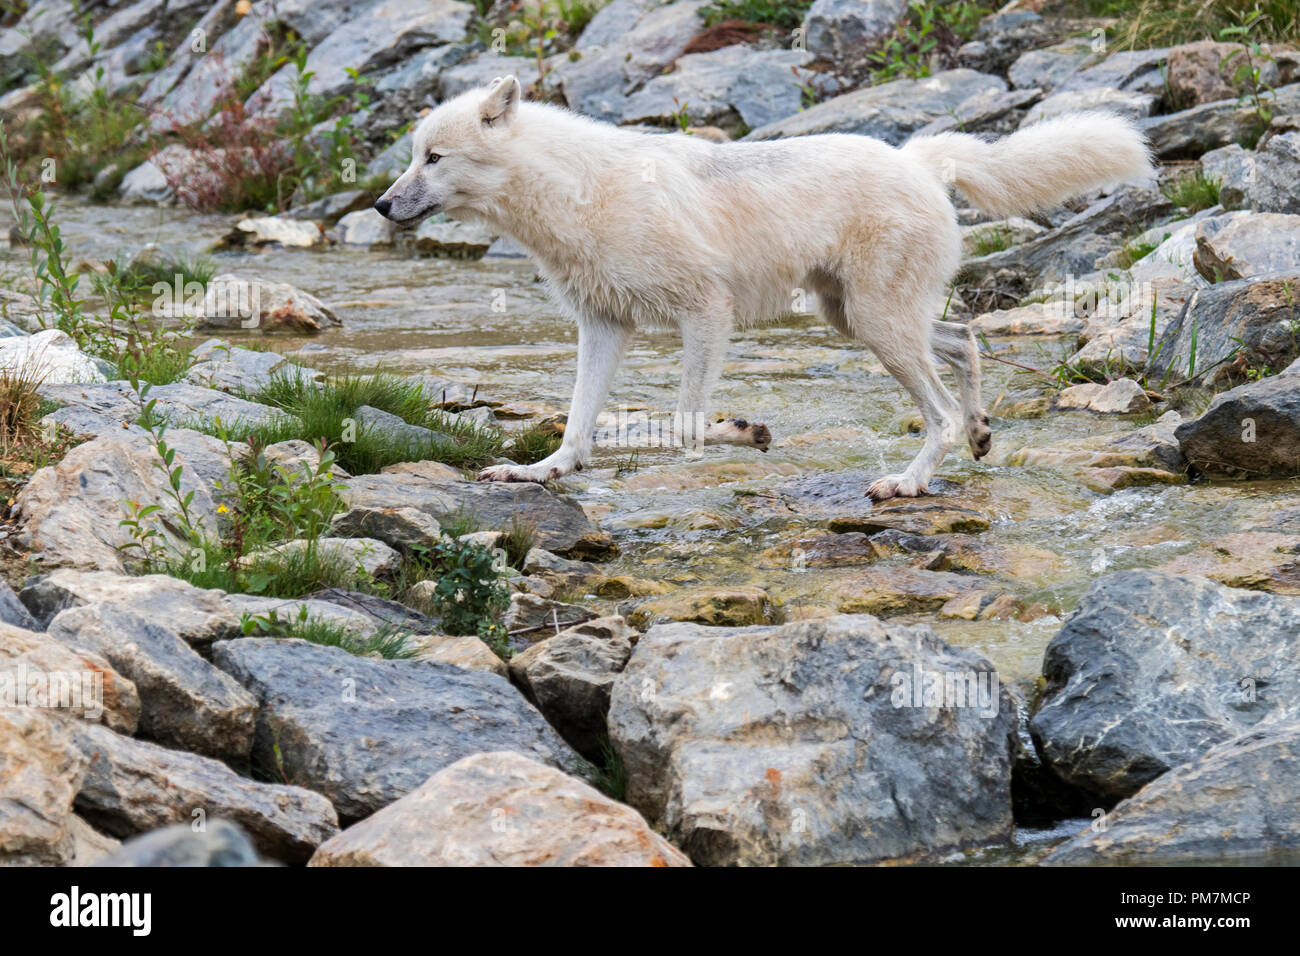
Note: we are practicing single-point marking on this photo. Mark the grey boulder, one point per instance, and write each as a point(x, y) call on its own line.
point(1153, 669)
point(366, 732)
point(824, 741)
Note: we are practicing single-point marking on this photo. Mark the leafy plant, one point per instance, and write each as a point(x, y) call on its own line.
point(927, 33)
point(469, 596)
point(1248, 75)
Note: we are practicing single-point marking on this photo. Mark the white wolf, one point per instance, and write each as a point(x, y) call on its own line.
point(642, 229)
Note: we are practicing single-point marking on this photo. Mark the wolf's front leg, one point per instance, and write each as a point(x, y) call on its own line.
point(601, 345)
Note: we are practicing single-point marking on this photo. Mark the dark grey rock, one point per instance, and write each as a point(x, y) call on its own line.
point(384, 612)
point(1191, 132)
point(13, 612)
point(561, 525)
point(1071, 248)
point(1152, 669)
point(184, 700)
point(1251, 431)
point(1236, 802)
point(569, 678)
point(840, 29)
point(891, 111)
point(728, 87)
point(1141, 71)
point(366, 732)
point(330, 209)
point(198, 616)
point(386, 423)
point(133, 786)
point(1249, 323)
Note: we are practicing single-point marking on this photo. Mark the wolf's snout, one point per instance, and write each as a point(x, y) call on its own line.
point(382, 206)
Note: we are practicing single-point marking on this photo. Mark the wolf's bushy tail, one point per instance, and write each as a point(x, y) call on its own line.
point(1039, 166)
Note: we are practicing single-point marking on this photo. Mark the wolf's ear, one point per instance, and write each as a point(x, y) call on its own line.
point(501, 101)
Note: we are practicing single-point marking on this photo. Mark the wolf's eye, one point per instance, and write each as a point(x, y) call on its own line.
point(433, 158)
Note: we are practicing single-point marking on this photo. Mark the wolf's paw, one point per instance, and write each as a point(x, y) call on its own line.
point(751, 433)
point(979, 436)
point(518, 473)
point(737, 431)
point(895, 486)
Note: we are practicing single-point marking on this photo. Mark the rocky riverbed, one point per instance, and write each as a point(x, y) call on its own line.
point(1079, 650)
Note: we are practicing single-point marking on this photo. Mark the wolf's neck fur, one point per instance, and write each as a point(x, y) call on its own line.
point(546, 201)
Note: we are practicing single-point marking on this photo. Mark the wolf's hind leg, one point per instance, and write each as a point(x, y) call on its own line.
point(955, 345)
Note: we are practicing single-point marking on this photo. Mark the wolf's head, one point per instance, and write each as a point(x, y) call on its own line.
point(457, 159)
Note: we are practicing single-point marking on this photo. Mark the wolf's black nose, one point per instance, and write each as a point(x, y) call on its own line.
point(382, 206)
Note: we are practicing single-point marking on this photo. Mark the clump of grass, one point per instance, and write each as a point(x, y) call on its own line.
point(611, 774)
point(532, 444)
point(388, 641)
point(1158, 23)
point(994, 239)
point(168, 268)
point(517, 539)
point(20, 402)
point(1135, 251)
point(327, 412)
point(786, 14)
point(1192, 192)
point(25, 446)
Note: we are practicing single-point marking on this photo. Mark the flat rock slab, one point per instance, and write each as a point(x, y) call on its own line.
point(367, 732)
point(837, 495)
point(180, 403)
point(1236, 802)
point(913, 519)
point(1151, 670)
point(888, 591)
point(560, 523)
point(720, 606)
point(890, 112)
point(501, 809)
point(198, 615)
point(813, 743)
